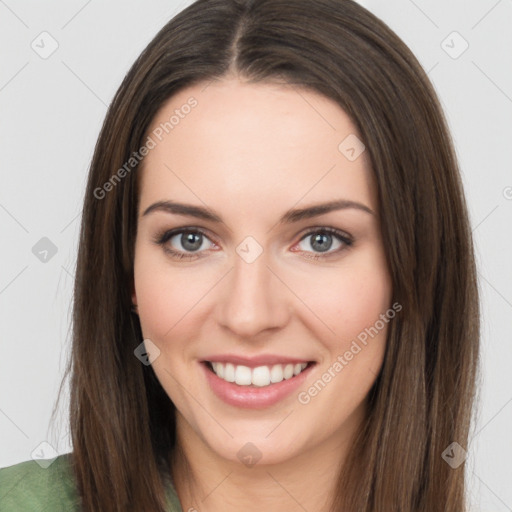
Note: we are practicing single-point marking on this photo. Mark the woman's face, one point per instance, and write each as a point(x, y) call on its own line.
point(247, 273)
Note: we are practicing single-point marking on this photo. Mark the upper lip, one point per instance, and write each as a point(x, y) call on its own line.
point(254, 361)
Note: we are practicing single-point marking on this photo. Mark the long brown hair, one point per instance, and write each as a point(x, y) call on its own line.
point(122, 421)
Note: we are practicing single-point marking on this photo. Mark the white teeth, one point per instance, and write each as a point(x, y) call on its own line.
point(276, 373)
point(288, 371)
point(219, 369)
point(260, 376)
point(243, 376)
point(229, 372)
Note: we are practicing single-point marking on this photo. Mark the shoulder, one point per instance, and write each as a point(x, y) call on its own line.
point(31, 486)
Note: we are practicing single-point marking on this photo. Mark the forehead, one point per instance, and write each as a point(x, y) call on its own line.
point(252, 144)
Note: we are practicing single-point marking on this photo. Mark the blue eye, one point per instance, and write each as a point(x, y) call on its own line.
point(192, 241)
point(321, 239)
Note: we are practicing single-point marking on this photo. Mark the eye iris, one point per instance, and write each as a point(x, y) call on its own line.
point(318, 242)
point(191, 241)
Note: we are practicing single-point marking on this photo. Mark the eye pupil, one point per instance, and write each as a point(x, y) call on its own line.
point(319, 243)
point(191, 241)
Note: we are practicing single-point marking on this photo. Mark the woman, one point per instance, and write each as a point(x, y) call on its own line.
point(275, 299)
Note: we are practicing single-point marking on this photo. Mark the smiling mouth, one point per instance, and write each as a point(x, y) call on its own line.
point(260, 376)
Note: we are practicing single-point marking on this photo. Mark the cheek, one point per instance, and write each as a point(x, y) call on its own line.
point(347, 298)
point(353, 303)
point(172, 300)
point(163, 296)
point(352, 297)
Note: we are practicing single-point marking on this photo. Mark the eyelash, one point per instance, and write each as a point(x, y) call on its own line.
point(164, 236)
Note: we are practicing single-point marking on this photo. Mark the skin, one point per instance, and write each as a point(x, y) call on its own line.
point(250, 152)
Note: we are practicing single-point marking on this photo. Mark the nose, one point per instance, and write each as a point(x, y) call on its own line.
point(254, 299)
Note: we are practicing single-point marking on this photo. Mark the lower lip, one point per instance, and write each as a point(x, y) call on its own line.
point(250, 397)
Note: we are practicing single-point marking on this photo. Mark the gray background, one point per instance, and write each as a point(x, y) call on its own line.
point(52, 109)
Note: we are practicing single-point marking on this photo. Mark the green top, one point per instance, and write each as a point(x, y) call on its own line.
point(32, 486)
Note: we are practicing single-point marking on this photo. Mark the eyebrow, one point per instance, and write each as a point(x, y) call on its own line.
point(291, 216)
